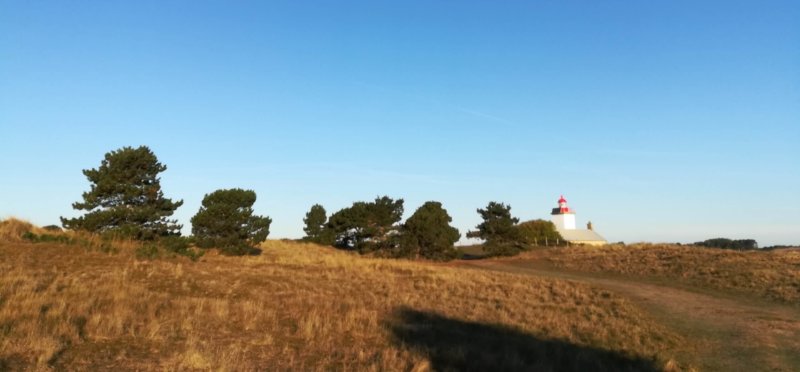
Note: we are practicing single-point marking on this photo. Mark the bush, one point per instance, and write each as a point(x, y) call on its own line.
point(148, 251)
point(536, 232)
point(168, 247)
point(46, 238)
point(502, 248)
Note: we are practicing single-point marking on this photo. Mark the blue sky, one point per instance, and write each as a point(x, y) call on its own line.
point(658, 120)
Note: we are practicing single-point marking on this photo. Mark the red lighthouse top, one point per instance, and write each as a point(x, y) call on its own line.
point(562, 207)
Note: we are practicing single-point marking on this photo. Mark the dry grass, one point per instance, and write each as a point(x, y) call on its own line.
point(770, 274)
point(305, 307)
point(11, 229)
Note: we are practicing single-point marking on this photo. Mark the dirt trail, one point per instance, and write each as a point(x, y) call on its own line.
point(730, 333)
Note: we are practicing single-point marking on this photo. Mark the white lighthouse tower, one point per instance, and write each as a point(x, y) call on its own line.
point(563, 217)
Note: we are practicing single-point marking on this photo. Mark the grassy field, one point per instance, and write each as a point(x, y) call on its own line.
point(305, 307)
point(771, 274)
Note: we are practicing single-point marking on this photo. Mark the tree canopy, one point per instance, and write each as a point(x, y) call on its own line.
point(497, 225)
point(497, 230)
point(538, 232)
point(126, 198)
point(366, 226)
point(226, 221)
point(427, 233)
point(315, 221)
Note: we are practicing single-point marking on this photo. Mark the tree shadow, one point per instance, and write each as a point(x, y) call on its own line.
point(456, 345)
point(472, 252)
point(254, 251)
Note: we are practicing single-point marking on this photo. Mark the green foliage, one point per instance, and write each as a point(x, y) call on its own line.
point(494, 248)
point(366, 226)
point(47, 238)
point(537, 232)
point(315, 221)
point(169, 246)
point(175, 244)
point(427, 233)
point(498, 230)
point(126, 197)
point(724, 243)
point(226, 221)
point(497, 225)
point(148, 251)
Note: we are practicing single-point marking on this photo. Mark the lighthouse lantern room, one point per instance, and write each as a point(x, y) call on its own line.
point(563, 217)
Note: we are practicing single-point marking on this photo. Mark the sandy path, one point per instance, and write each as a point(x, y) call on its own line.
point(731, 333)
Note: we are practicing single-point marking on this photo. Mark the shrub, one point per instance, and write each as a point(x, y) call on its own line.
point(168, 247)
point(502, 248)
point(147, 251)
point(537, 232)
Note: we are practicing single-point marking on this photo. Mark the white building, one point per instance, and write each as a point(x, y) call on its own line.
point(564, 219)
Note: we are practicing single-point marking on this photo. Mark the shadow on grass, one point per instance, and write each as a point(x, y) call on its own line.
point(456, 345)
point(472, 252)
point(255, 251)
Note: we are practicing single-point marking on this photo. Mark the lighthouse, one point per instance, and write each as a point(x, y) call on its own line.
point(563, 217)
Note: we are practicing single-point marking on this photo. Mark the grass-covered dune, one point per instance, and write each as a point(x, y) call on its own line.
point(67, 306)
point(770, 274)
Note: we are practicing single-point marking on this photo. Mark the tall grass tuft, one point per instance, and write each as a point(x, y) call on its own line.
point(12, 229)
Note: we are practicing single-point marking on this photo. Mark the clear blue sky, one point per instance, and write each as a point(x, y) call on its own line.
point(658, 120)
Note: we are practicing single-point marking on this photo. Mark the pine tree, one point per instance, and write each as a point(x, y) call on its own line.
point(428, 233)
point(226, 221)
point(366, 226)
point(315, 223)
point(498, 230)
point(126, 197)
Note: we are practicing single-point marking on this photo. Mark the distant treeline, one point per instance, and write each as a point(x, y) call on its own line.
point(374, 227)
point(126, 200)
point(724, 243)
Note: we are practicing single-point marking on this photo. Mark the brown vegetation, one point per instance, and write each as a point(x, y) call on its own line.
point(304, 307)
point(771, 274)
point(12, 229)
